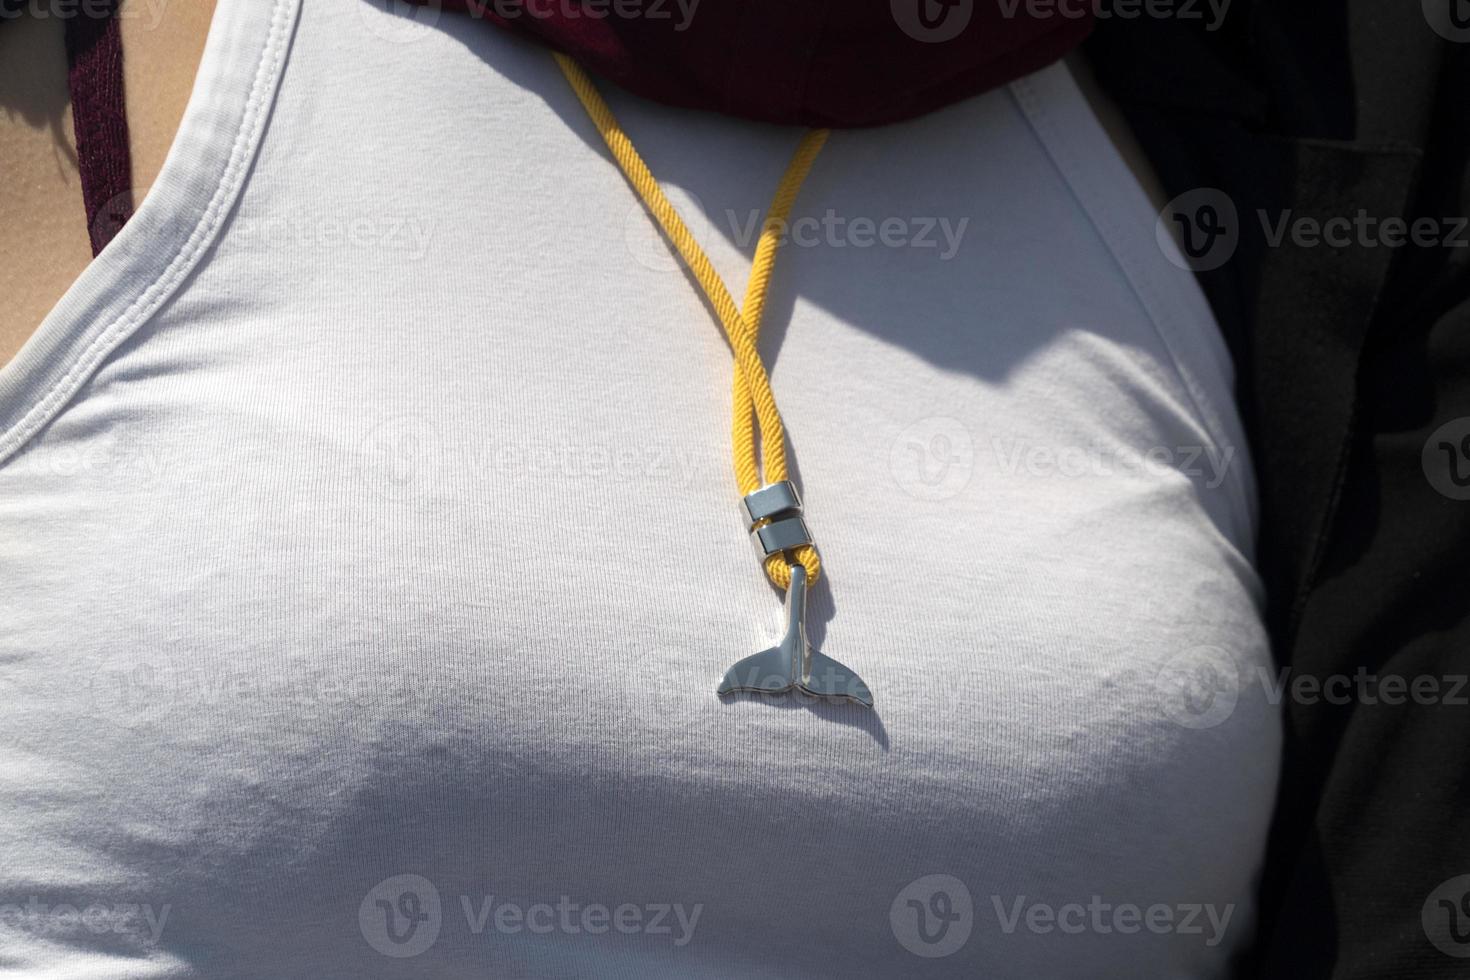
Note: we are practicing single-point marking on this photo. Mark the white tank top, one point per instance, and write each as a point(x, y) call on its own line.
point(369, 549)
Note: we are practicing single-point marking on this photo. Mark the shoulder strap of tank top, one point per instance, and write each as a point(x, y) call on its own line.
point(99, 115)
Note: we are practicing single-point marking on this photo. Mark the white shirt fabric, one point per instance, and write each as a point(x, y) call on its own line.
point(369, 549)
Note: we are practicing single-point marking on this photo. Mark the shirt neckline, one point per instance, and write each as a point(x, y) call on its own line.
point(178, 220)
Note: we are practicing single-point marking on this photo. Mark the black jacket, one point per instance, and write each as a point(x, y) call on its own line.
point(1354, 363)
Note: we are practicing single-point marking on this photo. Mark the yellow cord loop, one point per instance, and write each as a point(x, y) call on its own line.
point(754, 401)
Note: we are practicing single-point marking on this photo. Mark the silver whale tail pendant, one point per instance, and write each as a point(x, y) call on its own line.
point(793, 664)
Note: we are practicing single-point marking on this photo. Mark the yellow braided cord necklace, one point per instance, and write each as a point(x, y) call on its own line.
point(772, 506)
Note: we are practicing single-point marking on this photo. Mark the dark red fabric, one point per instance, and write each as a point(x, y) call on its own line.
point(835, 63)
point(99, 116)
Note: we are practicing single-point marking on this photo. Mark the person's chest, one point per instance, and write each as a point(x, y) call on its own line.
point(293, 642)
point(404, 541)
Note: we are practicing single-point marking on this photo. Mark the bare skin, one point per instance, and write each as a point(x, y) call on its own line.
point(43, 233)
point(43, 228)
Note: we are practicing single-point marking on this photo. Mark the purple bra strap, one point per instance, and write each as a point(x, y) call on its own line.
point(99, 115)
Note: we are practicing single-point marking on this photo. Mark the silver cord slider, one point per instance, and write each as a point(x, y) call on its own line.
point(773, 516)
